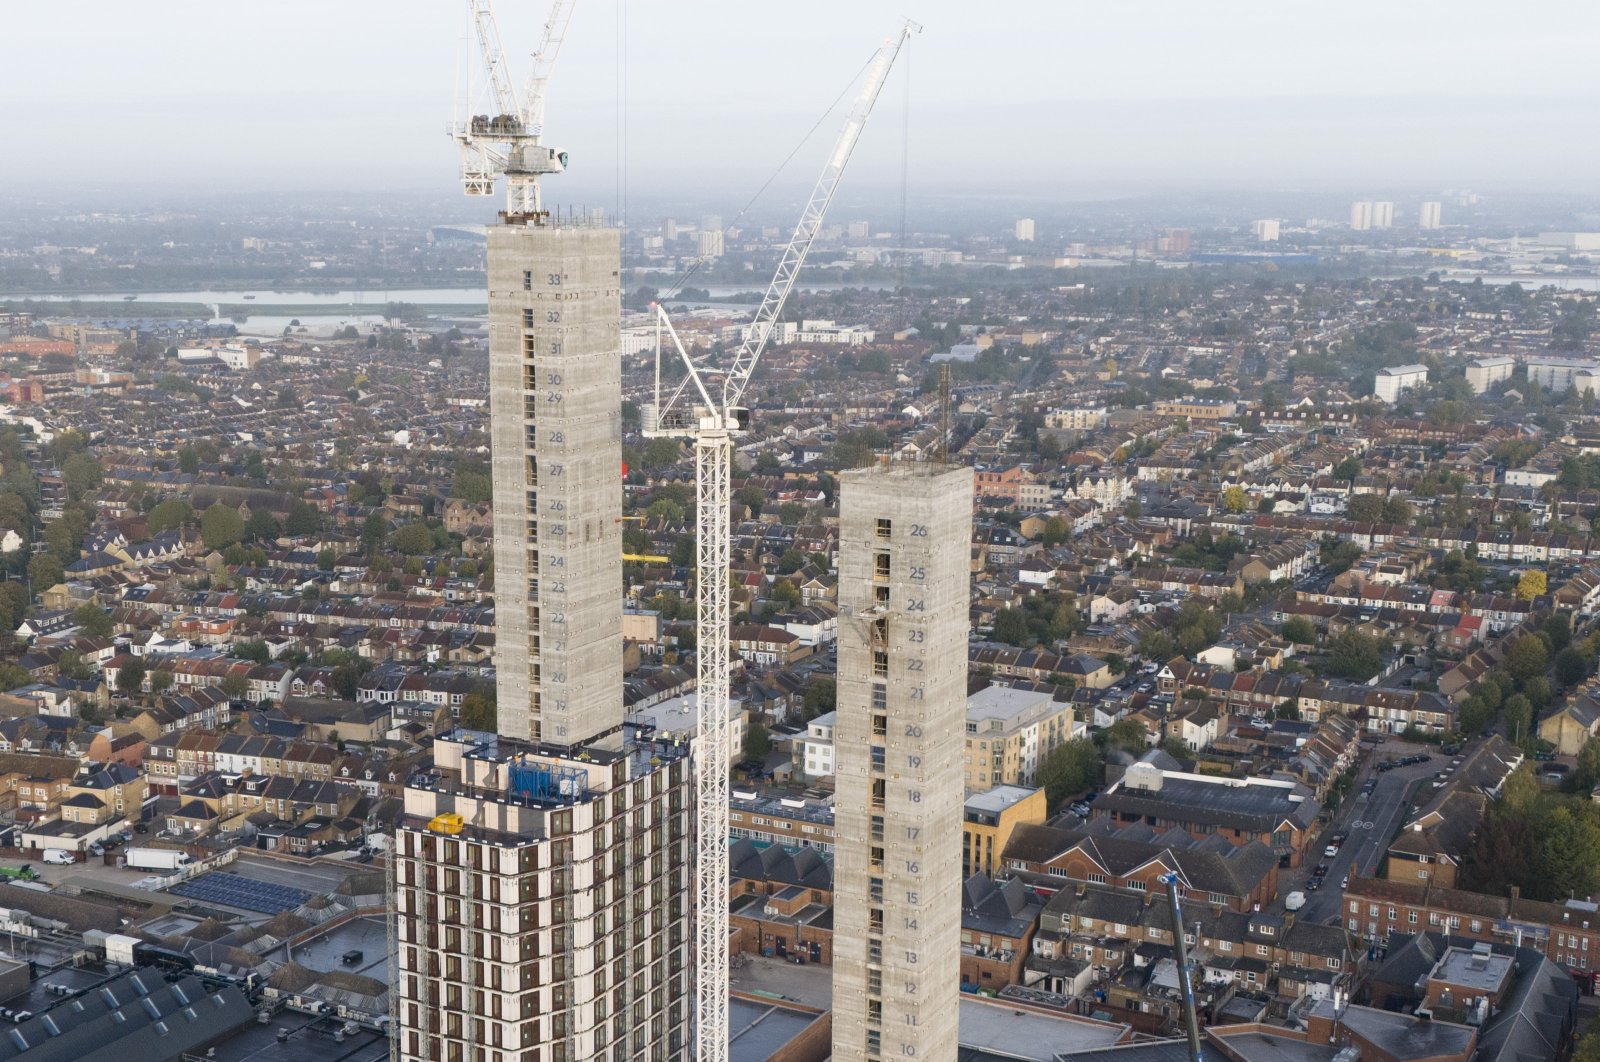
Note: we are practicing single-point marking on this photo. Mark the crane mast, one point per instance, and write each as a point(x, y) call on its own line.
point(711, 417)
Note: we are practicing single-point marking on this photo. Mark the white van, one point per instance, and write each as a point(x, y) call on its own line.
point(1295, 901)
point(58, 857)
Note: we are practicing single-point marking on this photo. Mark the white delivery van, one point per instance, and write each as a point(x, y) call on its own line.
point(1295, 901)
point(58, 857)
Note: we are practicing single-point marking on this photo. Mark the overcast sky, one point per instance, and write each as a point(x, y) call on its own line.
point(1006, 97)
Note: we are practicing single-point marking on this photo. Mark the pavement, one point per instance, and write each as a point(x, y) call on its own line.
point(811, 984)
point(1371, 823)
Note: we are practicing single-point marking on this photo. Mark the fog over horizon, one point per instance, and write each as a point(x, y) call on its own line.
point(1032, 101)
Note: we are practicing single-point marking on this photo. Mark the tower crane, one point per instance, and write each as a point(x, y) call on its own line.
point(709, 412)
point(508, 141)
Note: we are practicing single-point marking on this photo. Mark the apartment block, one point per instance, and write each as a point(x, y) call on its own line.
point(1008, 733)
point(542, 903)
point(555, 384)
point(903, 600)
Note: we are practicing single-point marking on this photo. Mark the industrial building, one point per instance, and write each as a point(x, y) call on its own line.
point(903, 600)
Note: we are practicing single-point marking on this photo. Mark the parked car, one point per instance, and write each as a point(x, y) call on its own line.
point(1330, 851)
point(1319, 870)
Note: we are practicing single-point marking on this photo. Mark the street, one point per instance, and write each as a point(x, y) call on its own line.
point(1370, 823)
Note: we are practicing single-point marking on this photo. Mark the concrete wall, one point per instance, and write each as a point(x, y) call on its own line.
point(898, 771)
point(555, 407)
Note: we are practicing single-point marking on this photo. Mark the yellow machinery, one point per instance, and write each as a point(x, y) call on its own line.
point(449, 822)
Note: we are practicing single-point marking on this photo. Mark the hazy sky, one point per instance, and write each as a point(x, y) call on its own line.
point(1006, 97)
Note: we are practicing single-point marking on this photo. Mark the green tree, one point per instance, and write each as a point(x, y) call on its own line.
point(1365, 508)
point(1011, 627)
point(130, 677)
point(221, 526)
point(235, 686)
point(413, 539)
point(160, 681)
point(791, 513)
point(784, 593)
point(1129, 735)
point(1517, 713)
point(757, 741)
point(1571, 850)
point(1526, 658)
point(752, 498)
point(1354, 655)
point(1070, 768)
point(1396, 510)
point(254, 649)
point(262, 525)
point(1235, 499)
point(791, 561)
point(12, 676)
point(820, 696)
point(683, 551)
point(1571, 667)
point(44, 571)
point(326, 559)
point(478, 710)
point(472, 484)
point(1531, 584)
point(659, 453)
point(174, 512)
point(665, 509)
point(373, 532)
point(188, 460)
point(81, 474)
point(1300, 630)
point(303, 519)
point(1586, 773)
point(94, 620)
point(70, 665)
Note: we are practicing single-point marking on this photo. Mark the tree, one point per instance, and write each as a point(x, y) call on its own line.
point(1571, 850)
point(752, 498)
point(785, 594)
point(44, 571)
point(1129, 735)
point(1348, 470)
point(221, 526)
point(1354, 655)
point(1571, 667)
point(665, 509)
point(791, 561)
point(303, 519)
point(478, 709)
point(262, 525)
point(1069, 768)
point(1531, 584)
point(757, 741)
point(1365, 508)
point(255, 650)
point(661, 452)
point(70, 665)
point(791, 513)
point(1011, 627)
point(373, 531)
point(1517, 713)
point(1156, 646)
point(188, 460)
point(472, 484)
point(1526, 658)
point(1235, 499)
point(326, 559)
point(1396, 510)
point(174, 512)
point(94, 620)
point(1300, 630)
point(81, 474)
point(235, 685)
point(160, 681)
point(12, 676)
point(130, 676)
point(413, 539)
point(1586, 773)
point(820, 696)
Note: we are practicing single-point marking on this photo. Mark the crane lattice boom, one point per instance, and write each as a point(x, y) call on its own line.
point(711, 423)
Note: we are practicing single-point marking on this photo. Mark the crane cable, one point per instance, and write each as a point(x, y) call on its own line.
point(683, 277)
point(905, 167)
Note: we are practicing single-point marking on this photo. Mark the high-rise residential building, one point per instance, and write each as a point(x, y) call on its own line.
point(1024, 230)
point(1382, 215)
point(1266, 230)
point(669, 229)
point(1177, 241)
point(710, 243)
point(1361, 215)
point(542, 874)
point(859, 230)
point(1428, 218)
point(555, 426)
point(903, 600)
point(1390, 383)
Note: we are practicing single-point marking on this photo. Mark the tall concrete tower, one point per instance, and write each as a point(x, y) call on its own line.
point(542, 874)
point(903, 599)
point(555, 424)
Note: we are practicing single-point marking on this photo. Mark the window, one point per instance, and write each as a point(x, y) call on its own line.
point(1411, 916)
point(1136, 886)
point(1333, 964)
point(1098, 879)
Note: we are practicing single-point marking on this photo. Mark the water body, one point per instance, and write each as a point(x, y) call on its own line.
point(1531, 281)
point(478, 297)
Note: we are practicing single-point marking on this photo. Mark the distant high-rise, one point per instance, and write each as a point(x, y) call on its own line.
point(669, 229)
point(711, 223)
point(903, 601)
point(1024, 230)
point(1428, 218)
point(1382, 215)
point(859, 230)
point(1361, 215)
point(710, 243)
point(1177, 241)
point(542, 873)
point(1265, 230)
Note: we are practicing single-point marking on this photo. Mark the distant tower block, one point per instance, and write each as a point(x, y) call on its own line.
point(1266, 230)
point(1361, 215)
point(1382, 215)
point(903, 600)
point(1024, 231)
point(859, 230)
point(1429, 216)
point(555, 401)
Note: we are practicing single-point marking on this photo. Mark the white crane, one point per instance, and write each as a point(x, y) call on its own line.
point(711, 416)
point(508, 141)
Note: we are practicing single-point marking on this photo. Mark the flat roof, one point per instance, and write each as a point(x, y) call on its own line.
point(1461, 966)
point(999, 798)
point(758, 1031)
point(1005, 702)
point(1014, 1032)
point(1254, 1045)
